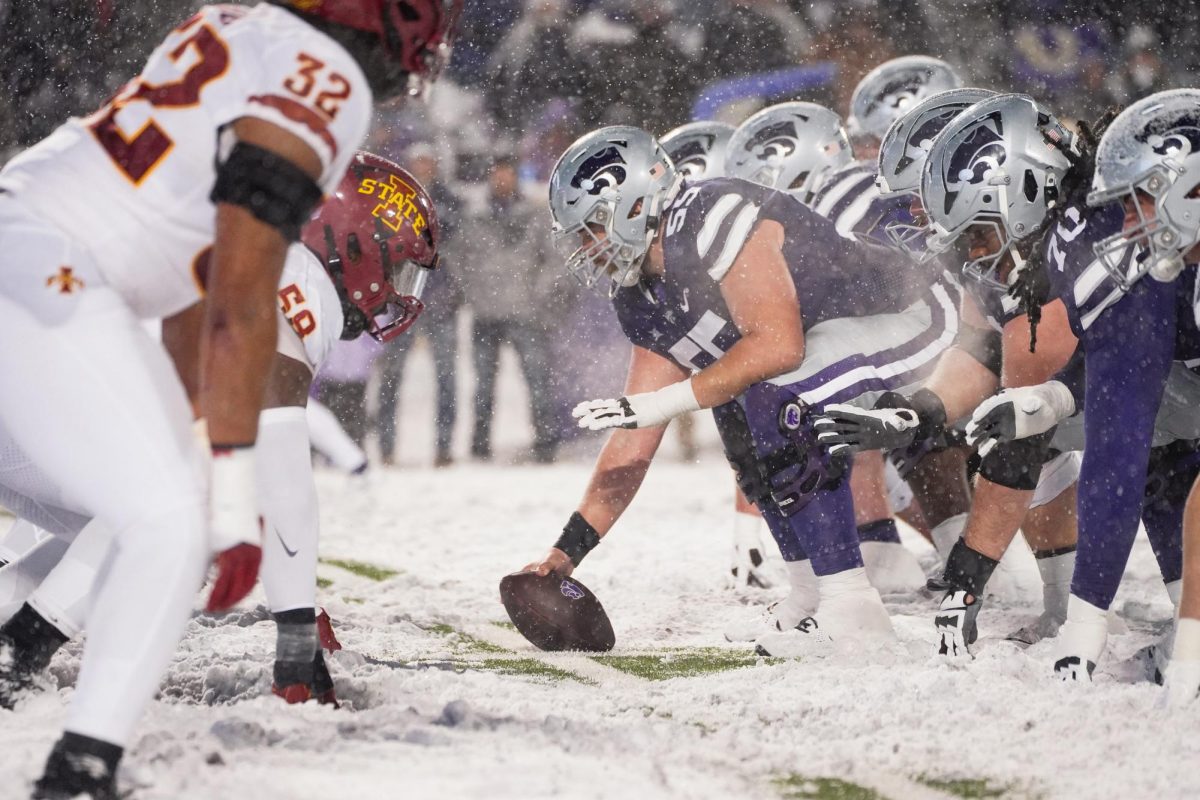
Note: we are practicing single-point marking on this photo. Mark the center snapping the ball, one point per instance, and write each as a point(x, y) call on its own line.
point(556, 613)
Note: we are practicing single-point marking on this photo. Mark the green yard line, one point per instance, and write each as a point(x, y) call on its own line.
point(800, 787)
point(967, 788)
point(361, 568)
point(688, 663)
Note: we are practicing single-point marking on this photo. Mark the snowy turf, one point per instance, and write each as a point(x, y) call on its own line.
point(445, 701)
point(448, 701)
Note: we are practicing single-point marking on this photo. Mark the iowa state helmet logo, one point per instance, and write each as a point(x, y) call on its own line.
point(396, 203)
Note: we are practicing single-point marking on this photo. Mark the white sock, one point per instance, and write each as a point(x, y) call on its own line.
point(1081, 612)
point(947, 532)
point(1187, 640)
point(745, 529)
point(1056, 572)
point(803, 582)
point(1175, 591)
point(850, 581)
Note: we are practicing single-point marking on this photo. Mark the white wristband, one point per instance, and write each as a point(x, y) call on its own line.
point(662, 405)
point(233, 510)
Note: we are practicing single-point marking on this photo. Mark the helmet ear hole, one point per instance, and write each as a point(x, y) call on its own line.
point(800, 180)
point(1031, 187)
point(636, 209)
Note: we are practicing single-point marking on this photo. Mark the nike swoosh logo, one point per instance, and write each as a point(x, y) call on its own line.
point(291, 553)
point(685, 301)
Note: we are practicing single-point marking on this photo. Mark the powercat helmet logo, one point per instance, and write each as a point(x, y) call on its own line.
point(570, 590)
point(777, 139)
point(601, 171)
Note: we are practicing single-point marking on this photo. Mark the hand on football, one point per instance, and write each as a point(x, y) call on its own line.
point(554, 561)
point(849, 428)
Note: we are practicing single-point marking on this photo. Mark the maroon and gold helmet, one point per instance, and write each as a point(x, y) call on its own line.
point(414, 34)
point(377, 235)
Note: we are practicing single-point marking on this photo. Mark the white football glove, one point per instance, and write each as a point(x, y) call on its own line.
point(1018, 414)
point(643, 410)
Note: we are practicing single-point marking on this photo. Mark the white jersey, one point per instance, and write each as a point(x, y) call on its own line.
point(132, 181)
point(310, 312)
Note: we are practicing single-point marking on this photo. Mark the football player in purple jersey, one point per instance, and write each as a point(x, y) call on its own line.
point(739, 298)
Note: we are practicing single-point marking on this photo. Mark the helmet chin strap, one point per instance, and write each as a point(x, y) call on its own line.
point(1165, 267)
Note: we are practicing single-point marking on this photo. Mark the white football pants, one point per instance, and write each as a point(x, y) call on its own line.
point(96, 406)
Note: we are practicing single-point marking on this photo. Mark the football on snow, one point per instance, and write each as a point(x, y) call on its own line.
point(556, 613)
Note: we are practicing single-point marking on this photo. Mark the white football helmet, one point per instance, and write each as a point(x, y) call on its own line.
point(1000, 162)
point(615, 181)
point(789, 147)
point(1152, 147)
point(698, 148)
point(894, 87)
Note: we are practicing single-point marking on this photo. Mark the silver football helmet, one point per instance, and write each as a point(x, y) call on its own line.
point(1152, 147)
point(789, 147)
point(607, 192)
point(698, 148)
point(894, 87)
point(902, 154)
point(999, 163)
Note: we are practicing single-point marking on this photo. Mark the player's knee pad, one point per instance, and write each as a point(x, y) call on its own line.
point(738, 443)
point(1017, 464)
point(791, 462)
point(1060, 473)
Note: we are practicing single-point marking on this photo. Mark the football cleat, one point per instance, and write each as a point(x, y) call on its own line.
point(1081, 641)
point(891, 567)
point(1046, 626)
point(955, 623)
point(293, 693)
point(779, 616)
point(849, 617)
point(79, 767)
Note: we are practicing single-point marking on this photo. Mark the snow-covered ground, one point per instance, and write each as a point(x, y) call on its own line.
point(442, 700)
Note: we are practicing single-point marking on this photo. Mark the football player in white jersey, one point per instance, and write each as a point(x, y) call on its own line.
point(213, 157)
point(378, 228)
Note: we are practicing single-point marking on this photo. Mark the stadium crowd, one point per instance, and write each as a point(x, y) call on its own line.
point(511, 102)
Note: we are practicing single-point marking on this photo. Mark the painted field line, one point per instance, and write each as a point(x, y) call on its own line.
point(576, 663)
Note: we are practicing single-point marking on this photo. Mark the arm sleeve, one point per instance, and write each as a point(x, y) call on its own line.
point(1129, 350)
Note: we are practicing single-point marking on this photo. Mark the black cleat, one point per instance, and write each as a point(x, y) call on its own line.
point(79, 767)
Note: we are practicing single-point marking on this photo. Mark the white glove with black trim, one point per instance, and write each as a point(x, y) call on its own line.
point(1019, 413)
point(644, 410)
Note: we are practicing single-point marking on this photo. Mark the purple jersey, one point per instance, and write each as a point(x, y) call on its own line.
point(849, 198)
point(682, 315)
point(1128, 341)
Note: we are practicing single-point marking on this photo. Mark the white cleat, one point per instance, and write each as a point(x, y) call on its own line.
point(846, 618)
point(892, 568)
point(1081, 640)
point(780, 616)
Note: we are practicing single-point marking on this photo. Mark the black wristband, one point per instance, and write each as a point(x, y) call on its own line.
point(578, 538)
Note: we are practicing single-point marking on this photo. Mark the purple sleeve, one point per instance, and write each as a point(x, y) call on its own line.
point(1129, 349)
point(1073, 376)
